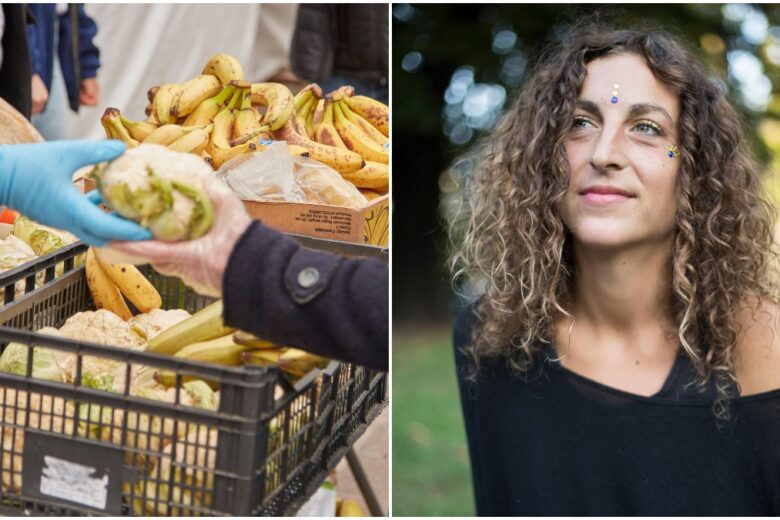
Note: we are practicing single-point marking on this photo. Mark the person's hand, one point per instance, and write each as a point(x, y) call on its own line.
point(199, 263)
point(90, 92)
point(40, 94)
point(36, 181)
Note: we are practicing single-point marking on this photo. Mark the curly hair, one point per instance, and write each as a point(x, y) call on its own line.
point(510, 232)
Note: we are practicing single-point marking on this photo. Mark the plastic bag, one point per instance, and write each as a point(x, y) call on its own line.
point(324, 185)
point(263, 176)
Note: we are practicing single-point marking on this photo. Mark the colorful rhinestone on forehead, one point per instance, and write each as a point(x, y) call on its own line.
point(673, 152)
point(615, 89)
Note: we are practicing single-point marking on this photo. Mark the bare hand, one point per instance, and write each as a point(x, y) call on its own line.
point(40, 94)
point(90, 92)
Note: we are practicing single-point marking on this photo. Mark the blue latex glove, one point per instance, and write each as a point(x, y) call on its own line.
point(36, 181)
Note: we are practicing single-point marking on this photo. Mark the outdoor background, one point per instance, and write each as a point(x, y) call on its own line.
point(455, 69)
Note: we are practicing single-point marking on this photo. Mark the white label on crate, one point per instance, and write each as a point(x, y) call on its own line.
point(74, 482)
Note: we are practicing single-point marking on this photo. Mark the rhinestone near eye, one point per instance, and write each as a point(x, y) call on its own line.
point(614, 100)
point(616, 86)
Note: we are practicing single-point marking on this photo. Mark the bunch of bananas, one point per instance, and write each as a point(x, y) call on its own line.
point(204, 338)
point(214, 115)
point(349, 133)
point(218, 116)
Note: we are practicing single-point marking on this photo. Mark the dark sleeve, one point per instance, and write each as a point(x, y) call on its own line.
point(36, 54)
point(89, 55)
point(464, 326)
point(15, 74)
point(330, 305)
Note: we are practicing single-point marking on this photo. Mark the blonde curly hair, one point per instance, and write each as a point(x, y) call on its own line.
point(510, 232)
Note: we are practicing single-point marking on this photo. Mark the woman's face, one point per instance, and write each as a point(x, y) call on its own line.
point(622, 187)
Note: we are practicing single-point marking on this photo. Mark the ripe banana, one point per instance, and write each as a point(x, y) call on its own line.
point(247, 121)
point(105, 293)
point(163, 101)
point(357, 140)
point(341, 92)
point(206, 157)
point(350, 507)
point(373, 175)
point(341, 160)
point(191, 142)
point(277, 100)
point(209, 108)
point(369, 129)
point(112, 124)
point(299, 363)
point(138, 130)
point(166, 134)
point(224, 66)
point(218, 351)
point(250, 340)
point(203, 325)
point(193, 93)
point(326, 133)
point(220, 156)
point(223, 126)
point(375, 112)
point(132, 284)
point(258, 135)
point(299, 151)
point(262, 356)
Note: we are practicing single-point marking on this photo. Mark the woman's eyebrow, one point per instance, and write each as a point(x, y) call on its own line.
point(638, 109)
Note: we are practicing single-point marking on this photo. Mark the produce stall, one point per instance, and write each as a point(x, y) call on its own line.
point(121, 390)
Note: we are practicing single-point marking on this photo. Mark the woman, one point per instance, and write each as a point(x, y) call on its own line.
point(624, 358)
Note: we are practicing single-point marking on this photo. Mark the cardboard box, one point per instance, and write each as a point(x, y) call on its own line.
point(367, 225)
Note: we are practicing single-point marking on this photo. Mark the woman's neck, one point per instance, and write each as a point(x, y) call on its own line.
point(623, 291)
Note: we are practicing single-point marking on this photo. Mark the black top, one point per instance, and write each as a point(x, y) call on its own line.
point(557, 443)
point(326, 304)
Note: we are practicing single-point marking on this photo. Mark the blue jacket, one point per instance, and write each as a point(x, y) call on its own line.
point(77, 64)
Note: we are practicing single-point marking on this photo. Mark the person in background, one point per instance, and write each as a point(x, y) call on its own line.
point(65, 62)
point(342, 44)
point(15, 58)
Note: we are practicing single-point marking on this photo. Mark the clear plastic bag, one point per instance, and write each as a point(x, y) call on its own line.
point(263, 176)
point(324, 185)
point(277, 175)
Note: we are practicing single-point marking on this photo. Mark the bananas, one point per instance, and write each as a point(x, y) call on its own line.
point(374, 176)
point(277, 100)
point(204, 325)
point(191, 142)
point(339, 159)
point(163, 101)
point(193, 93)
point(375, 112)
point(105, 293)
point(129, 280)
point(356, 139)
point(220, 115)
point(225, 67)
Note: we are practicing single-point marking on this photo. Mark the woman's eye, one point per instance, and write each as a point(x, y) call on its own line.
point(581, 122)
point(648, 128)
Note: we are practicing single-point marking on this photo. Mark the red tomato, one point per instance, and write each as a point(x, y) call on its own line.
point(7, 216)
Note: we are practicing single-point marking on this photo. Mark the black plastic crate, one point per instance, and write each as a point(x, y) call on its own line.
point(39, 271)
point(260, 453)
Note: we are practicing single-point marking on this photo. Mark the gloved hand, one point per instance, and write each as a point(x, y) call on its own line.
point(199, 263)
point(36, 181)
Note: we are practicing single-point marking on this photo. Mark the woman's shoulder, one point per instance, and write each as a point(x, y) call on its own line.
point(757, 353)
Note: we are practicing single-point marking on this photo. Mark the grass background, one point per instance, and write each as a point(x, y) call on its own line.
point(431, 474)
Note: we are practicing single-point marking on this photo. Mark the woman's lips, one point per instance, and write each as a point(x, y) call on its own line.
point(602, 195)
point(593, 197)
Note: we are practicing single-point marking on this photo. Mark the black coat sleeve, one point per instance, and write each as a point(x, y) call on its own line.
point(327, 304)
